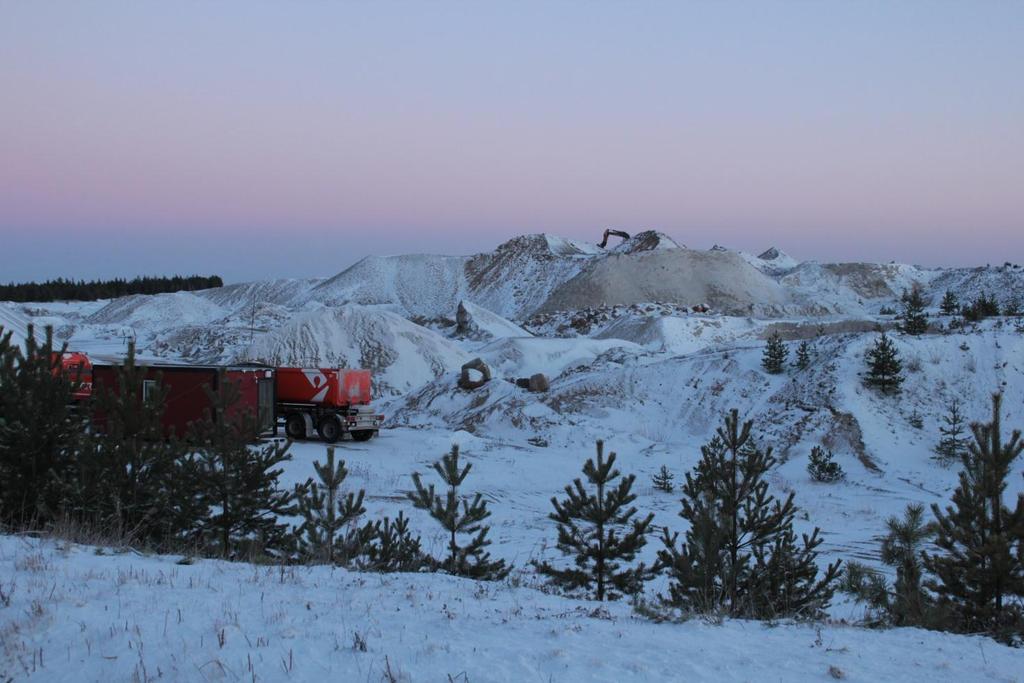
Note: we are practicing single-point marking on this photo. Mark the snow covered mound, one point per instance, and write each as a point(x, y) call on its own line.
point(512, 281)
point(523, 357)
point(772, 261)
point(516, 278)
point(561, 246)
point(1005, 283)
point(241, 297)
point(476, 322)
point(401, 354)
point(422, 285)
point(721, 279)
point(648, 240)
point(179, 308)
point(849, 287)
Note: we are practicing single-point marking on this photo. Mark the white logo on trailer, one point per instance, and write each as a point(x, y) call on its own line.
point(318, 381)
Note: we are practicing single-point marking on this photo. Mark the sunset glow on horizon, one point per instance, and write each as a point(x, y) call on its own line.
point(260, 139)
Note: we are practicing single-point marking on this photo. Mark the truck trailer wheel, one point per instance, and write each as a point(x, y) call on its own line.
point(295, 426)
point(362, 434)
point(329, 429)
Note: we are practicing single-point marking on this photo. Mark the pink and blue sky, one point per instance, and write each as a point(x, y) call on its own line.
point(262, 139)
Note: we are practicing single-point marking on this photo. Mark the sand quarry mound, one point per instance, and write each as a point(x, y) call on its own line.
point(720, 279)
point(401, 354)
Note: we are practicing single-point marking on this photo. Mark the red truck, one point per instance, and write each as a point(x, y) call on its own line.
point(330, 401)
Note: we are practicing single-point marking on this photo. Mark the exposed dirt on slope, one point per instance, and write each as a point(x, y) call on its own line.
point(721, 279)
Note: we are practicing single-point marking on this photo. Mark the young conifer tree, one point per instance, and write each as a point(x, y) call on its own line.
point(953, 444)
point(599, 530)
point(327, 534)
point(977, 569)
point(741, 555)
point(393, 548)
point(950, 303)
point(237, 482)
point(775, 353)
point(662, 480)
point(884, 366)
point(904, 603)
point(913, 319)
point(803, 355)
point(459, 515)
point(40, 431)
point(822, 467)
point(902, 548)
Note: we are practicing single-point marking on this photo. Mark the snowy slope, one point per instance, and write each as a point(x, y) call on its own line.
point(679, 334)
point(517, 278)
point(485, 324)
point(854, 287)
point(77, 615)
point(241, 297)
point(139, 310)
point(1005, 283)
point(772, 261)
point(423, 285)
point(402, 355)
point(13, 320)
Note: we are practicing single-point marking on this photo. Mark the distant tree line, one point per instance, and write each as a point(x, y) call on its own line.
point(80, 290)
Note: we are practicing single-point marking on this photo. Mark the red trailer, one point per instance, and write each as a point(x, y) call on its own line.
point(331, 401)
point(187, 398)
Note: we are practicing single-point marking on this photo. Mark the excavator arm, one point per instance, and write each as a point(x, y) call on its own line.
point(610, 233)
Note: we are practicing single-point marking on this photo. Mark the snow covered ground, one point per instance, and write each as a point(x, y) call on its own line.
point(76, 615)
point(633, 365)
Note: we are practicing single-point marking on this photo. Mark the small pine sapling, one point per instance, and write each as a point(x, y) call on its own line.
point(803, 355)
point(822, 467)
point(326, 534)
point(236, 483)
point(904, 603)
point(884, 366)
point(600, 531)
point(953, 445)
point(470, 560)
point(950, 303)
point(913, 319)
point(775, 353)
point(393, 548)
point(662, 480)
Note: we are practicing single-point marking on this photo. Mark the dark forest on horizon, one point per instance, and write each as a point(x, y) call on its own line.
point(80, 290)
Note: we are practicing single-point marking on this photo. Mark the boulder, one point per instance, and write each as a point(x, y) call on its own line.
point(466, 382)
point(463, 321)
point(539, 383)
